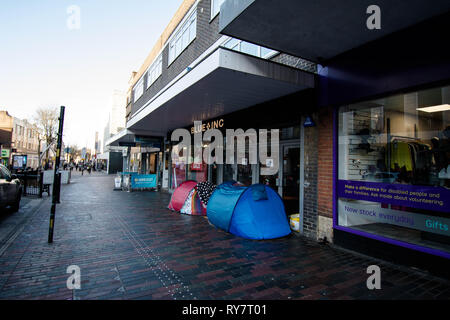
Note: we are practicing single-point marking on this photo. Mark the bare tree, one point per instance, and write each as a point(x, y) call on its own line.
point(47, 120)
point(74, 151)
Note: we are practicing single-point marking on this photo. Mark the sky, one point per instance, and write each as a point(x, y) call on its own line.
point(48, 59)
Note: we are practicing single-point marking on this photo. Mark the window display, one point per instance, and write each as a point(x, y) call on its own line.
point(198, 172)
point(178, 168)
point(197, 168)
point(394, 168)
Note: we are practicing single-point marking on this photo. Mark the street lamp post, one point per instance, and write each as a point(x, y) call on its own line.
point(56, 176)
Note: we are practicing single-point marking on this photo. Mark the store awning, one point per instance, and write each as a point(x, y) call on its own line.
point(133, 138)
point(319, 30)
point(224, 82)
point(103, 156)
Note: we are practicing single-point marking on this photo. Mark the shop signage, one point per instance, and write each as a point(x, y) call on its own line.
point(420, 197)
point(143, 181)
point(196, 166)
point(216, 124)
point(149, 149)
point(127, 144)
point(144, 139)
point(5, 153)
point(148, 142)
point(357, 214)
point(308, 122)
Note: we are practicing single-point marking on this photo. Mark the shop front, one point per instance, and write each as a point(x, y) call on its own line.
point(146, 163)
point(225, 89)
point(287, 121)
point(142, 157)
point(5, 155)
point(382, 117)
point(285, 181)
point(394, 169)
point(391, 156)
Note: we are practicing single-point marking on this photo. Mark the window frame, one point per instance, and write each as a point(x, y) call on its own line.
point(214, 14)
point(183, 27)
point(238, 47)
point(154, 71)
point(140, 82)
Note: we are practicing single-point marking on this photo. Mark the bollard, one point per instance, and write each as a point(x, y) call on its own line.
point(41, 183)
point(58, 181)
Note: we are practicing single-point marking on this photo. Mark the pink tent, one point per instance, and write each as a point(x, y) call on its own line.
point(180, 195)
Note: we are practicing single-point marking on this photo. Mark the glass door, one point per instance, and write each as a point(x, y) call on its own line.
point(287, 180)
point(289, 188)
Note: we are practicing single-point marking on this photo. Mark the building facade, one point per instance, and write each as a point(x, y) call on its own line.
point(383, 106)
point(6, 128)
point(190, 43)
point(363, 131)
point(20, 138)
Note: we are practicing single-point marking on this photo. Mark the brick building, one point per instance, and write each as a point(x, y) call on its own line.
point(6, 128)
point(191, 53)
point(363, 113)
point(383, 117)
point(19, 137)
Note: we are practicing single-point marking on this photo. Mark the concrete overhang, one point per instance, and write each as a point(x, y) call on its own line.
point(319, 30)
point(130, 138)
point(224, 82)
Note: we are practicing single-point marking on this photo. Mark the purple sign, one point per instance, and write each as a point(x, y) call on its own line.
point(421, 197)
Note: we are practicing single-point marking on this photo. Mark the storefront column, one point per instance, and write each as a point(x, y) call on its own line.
point(157, 169)
point(302, 173)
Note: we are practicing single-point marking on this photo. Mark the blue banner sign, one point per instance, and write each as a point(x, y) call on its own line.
point(143, 181)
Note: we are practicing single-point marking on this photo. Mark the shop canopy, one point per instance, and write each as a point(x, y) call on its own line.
point(133, 138)
point(221, 82)
point(319, 30)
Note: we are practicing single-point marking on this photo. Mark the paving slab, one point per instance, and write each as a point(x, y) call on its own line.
point(128, 245)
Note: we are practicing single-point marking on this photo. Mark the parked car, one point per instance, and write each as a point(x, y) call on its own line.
point(10, 189)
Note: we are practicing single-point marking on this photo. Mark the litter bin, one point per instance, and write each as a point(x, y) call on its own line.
point(118, 183)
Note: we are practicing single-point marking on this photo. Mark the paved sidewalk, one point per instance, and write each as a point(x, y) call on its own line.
point(129, 246)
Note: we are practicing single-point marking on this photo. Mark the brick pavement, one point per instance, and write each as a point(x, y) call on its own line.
point(129, 246)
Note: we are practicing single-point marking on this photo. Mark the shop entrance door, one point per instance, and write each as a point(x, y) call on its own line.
point(287, 180)
point(289, 186)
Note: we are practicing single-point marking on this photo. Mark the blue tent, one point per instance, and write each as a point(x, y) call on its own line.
point(255, 212)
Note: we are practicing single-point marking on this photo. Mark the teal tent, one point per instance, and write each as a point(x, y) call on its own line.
point(255, 212)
